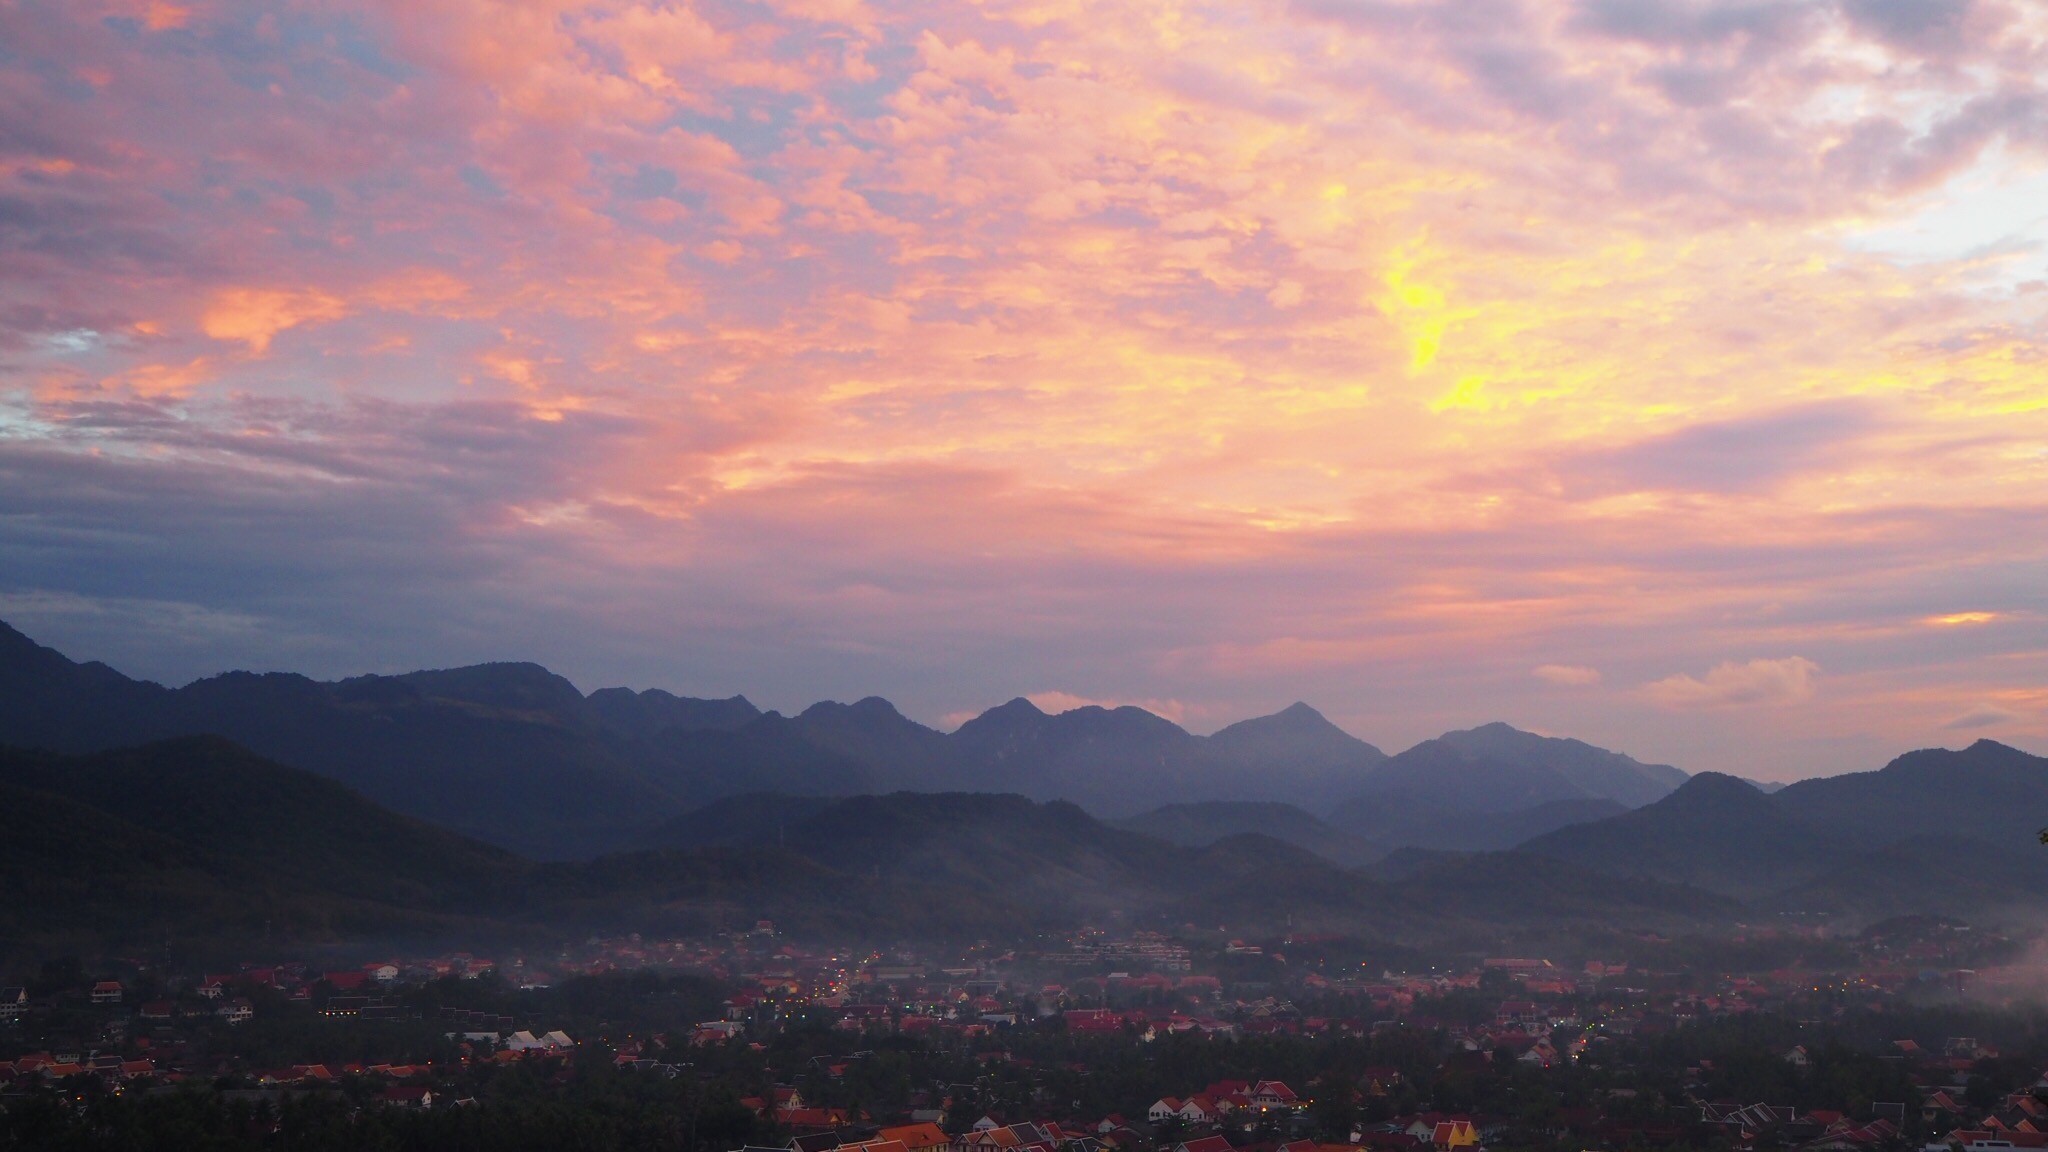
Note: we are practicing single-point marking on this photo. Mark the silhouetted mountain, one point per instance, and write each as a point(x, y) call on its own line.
point(1063, 865)
point(1933, 831)
point(900, 752)
point(762, 818)
point(197, 834)
point(1398, 820)
point(1493, 831)
point(1716, 832)
point(1201, 824)
point(1122, 761)
point(1988, 791)
point(1520, 888)
point(772, 753)
point(1114, 761)
point(1966, 878)
point(513, 754)
point(1596, 772)
point(1320, 762)
point(1496, 768)
point(642, 714)
point(503, 752)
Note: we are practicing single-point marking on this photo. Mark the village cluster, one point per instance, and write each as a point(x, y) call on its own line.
point(1103, 1001)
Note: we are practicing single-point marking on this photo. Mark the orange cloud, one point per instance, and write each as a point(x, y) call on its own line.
point(254, 316)
point(1317, 342)
point(1773, 682)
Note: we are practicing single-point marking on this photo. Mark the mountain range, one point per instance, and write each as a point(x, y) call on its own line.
point(1936, 829)
point(500, 798)
point(517, 756)
point(198, 840)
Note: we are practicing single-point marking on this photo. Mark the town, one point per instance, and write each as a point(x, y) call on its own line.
point(1916, 1034)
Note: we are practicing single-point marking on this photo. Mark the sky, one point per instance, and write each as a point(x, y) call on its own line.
point(1672, 374)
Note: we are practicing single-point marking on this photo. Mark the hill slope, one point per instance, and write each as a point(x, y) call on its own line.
point(1496, 768)
point(1933, 831)
point(199, 837)
point(1201, 824)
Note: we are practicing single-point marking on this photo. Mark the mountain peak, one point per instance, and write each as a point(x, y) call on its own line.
point(1983, 753)
point(1591, 770)
point(1297, 721)
point(1007, 721)
point(1715, 788)
point(514, 685)
point(869, 708)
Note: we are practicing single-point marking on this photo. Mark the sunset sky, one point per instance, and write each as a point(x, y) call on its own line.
point(1668, 373)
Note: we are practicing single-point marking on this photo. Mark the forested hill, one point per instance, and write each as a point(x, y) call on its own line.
point(200, 840)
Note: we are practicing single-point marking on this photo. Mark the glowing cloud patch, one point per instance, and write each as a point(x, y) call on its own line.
point(1056, 702)
point(1756, 682)
point(1567, 675)
point(1960, 619)
point(255, 315)
point(1982, 716)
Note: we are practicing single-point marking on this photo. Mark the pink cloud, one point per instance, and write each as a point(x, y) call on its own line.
point(1729, 684)
point(1211, 353)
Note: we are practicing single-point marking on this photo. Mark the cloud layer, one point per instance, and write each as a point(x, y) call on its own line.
point(1370, 353)
point(1733, 685)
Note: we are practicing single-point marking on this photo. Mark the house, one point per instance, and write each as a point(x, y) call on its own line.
point(1163, 1109)
point(1450, 1135)
point(714, 1031)
point(1204, 1144)
point(157, 1010)
point(236, 1011)
point(107, 992)
point(1269, 1095)
point(1093, 1020)
point(917, 1137)
point(524, 1041)
point(1798, 1057)
point(13, 1002)
point(407, 1096)
point(213, 988)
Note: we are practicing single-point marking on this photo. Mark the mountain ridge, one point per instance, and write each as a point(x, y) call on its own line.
point(1960, 824)
point(515, 754)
